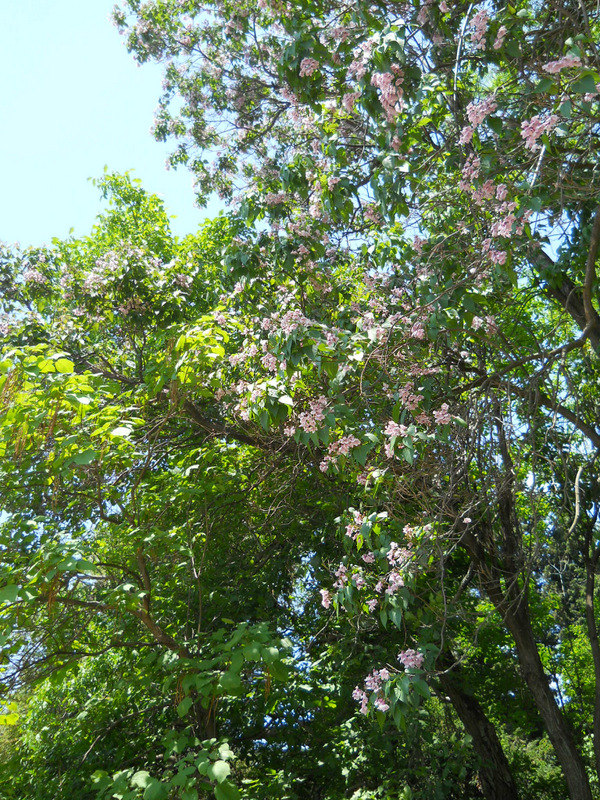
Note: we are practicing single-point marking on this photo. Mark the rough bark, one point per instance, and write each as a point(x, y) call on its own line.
point(559, 730)
point(595, 647)
point(496, 780)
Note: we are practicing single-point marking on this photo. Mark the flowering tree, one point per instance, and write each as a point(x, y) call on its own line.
point(445, 152)
point(404, 327)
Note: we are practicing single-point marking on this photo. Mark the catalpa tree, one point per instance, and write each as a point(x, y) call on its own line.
point(400, 320)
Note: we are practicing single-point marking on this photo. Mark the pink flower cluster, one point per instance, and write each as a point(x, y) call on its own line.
point(409, 398)
point(309, 420)
point(532, 129)
point(395, 582)
point(442, 415)
point(373, 683)
point(566, 62)
point(507, 224)
point(326, 598)
point(349, 101)
point(272, 199)
point(353, 528)
point(466, 135)
point(411, 659)
point(307, 67)
point(292, 320)
point(389, 85)
point(470, 171)
point(341, 574)
point(398, 555)
point(502, 31)
point(394, 429)
point(33, 275)
point(185, 281)
point(478, 111)
point(340, 448)
point(479, 24)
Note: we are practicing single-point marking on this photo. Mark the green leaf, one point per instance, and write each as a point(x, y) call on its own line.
point(252, 651)
point(226, 791)
point(286, 400)
point(122, 432)
point(566, 109)
point(64, 365)
point(544, 85)
point(230, 681)
point(219, 771)
point(11, 718)
point(270, 654)
point(495, 123)
point(421, 687)
point(586, 84)
point(141, 779)
point(8, 594)
point(279, 671)
point(155, 790)
point(86, 457)
point(184, 706)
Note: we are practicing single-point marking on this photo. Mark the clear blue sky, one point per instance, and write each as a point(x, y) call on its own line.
point(72, 100)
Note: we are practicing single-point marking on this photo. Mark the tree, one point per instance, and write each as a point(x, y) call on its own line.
point(400, 346)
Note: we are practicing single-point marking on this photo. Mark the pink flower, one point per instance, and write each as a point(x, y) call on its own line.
point(394, 429)
point(501, 191)
point(380, 704)
point(395, 582)
point(411, 659)
point(307, 67)
point(532, 129)
point(466, 135)
point(566, 62)
point(358, 581)
point(358, 693)
point(373, 681)
point(418, 330)
point(441, 416)
point(498, 256)
point(500, 37)
point(479, 23)
point(349, 101)
point(325, 598)
point(478, 111)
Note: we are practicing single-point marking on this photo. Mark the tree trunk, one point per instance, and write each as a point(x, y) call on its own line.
point(559, 730)
point(595, 647)
point(514, 610)
point(494, 772)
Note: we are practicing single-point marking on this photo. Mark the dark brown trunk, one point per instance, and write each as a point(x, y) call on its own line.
point(494, 772)
point(514, 609)
point(595, 647)
point(559, 730)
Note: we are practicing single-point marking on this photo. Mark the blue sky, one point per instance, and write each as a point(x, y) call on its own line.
point(72, 100)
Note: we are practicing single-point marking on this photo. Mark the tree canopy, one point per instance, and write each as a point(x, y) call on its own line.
point(305, 504)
